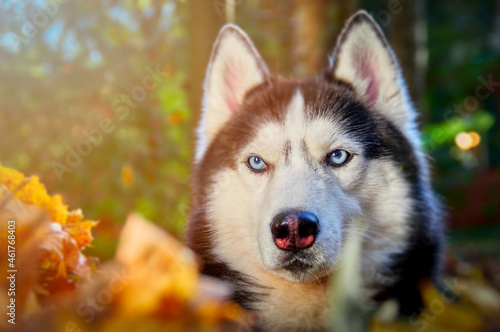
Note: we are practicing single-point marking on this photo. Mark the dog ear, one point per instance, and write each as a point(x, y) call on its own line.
point(364, 59)
point(234, 68)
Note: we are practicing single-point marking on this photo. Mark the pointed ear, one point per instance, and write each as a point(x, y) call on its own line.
point(234, 68)
point(364, 59)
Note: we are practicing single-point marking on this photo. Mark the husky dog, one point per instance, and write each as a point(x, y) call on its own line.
point(283, 167)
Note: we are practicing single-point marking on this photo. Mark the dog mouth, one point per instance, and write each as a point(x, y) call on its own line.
point(301, 267)
point(296, 263)
point(296, 266)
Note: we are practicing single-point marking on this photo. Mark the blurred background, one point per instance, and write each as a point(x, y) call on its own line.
point(100, 98)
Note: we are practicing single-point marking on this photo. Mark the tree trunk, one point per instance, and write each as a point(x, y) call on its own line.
point(315, 27)
point(408, 34)
point(205, 20)
point(308, 42)
point(421, 58)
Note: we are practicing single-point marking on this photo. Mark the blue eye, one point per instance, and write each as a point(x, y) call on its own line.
point(338, 157)
point(256, 164)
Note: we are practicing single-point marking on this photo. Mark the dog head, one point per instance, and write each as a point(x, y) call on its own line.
point(283, 166)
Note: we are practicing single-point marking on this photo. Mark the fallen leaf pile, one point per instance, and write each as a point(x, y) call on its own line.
point(152, 283)
point(48, 239)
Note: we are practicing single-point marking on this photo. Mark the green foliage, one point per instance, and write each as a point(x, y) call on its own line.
point(438, 134)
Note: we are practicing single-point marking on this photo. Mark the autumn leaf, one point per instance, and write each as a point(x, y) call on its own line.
point(47, 236)
point(160, 282)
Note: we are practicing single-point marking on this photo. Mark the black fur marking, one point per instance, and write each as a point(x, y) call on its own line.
point(331, 101)
point(239, 281)
point(422, 258)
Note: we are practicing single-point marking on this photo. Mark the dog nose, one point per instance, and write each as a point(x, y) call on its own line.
point(294, 230)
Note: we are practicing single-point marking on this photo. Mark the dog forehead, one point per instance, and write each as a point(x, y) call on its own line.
point(281, 111)
point(304, 123)
point(291, 123)
point(292, 126)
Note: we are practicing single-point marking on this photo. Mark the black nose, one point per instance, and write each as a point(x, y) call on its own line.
point(294, 230)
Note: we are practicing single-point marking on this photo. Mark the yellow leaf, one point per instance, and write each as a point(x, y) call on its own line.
point(127, 175)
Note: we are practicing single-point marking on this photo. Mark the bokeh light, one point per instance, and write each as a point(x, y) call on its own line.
point(476, 138)
point(466, 141)
point(463, 141)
